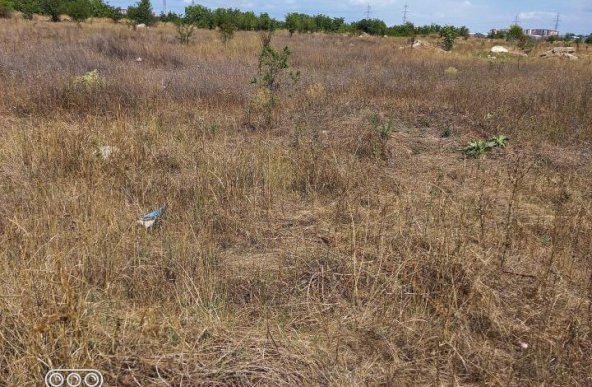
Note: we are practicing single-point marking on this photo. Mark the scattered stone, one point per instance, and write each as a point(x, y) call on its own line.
point(499, 49)
point(419, 44)
point(561, 52)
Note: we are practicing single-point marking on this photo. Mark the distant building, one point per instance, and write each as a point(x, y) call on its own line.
point(541, 32)
point(499, 31)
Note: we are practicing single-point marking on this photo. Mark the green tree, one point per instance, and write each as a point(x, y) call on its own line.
point(588, 39)
point(170, 17)
point(266, 23)
point(292, 23)
point(515, 33)
point(199, 16)
point(28, 8)
point(463, 32)
point(448, 35)
point(407, 29)
point(142, 13)
point(493, 34)
point(371, 26)
point(5, 9)
point(52, 8)
point(78, 10)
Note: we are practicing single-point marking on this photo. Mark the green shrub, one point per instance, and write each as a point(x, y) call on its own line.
point(448, 34)
point(185, 32)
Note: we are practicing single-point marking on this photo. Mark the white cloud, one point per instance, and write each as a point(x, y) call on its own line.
point(373, 3)
point(467, 3)
point(535, 15)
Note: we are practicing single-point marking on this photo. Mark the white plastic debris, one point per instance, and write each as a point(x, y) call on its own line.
point(147, 223)
point(523, 345)
point(139, 59)
point(148, 220)
point(106, 151)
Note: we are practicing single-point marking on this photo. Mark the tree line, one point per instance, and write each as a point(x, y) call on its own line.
point(203, 17)
point(230, 19)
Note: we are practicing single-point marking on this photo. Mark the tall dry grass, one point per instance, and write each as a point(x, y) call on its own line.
point(293, 255)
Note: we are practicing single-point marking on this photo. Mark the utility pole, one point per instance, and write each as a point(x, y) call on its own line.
point(516, 21)
point(405, 13)
point(368, 11)
point(557, 22)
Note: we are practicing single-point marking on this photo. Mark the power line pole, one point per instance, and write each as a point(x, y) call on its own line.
point(368, 11)
point(405, 13)
point(516, 21)
point(557, 22)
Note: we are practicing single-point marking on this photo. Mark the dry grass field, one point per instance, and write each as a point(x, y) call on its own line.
point(312, 252)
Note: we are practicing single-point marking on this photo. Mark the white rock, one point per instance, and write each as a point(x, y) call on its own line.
point(499, 49)
point(568, 50)
point(139, 59)
point(142, 25)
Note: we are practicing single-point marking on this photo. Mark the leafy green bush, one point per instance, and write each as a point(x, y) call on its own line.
point(448, 35)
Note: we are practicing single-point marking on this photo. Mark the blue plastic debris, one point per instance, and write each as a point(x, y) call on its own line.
point(149, 220)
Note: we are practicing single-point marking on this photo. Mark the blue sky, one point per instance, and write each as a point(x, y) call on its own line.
point(478, 15)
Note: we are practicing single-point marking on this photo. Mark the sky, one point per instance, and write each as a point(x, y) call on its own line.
point(479, 15)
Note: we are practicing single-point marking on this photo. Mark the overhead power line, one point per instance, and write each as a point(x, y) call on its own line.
point(557, 22)
point(405, 13)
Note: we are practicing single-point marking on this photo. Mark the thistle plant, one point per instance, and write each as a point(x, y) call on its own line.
point(477, 148)
point(499, 141)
